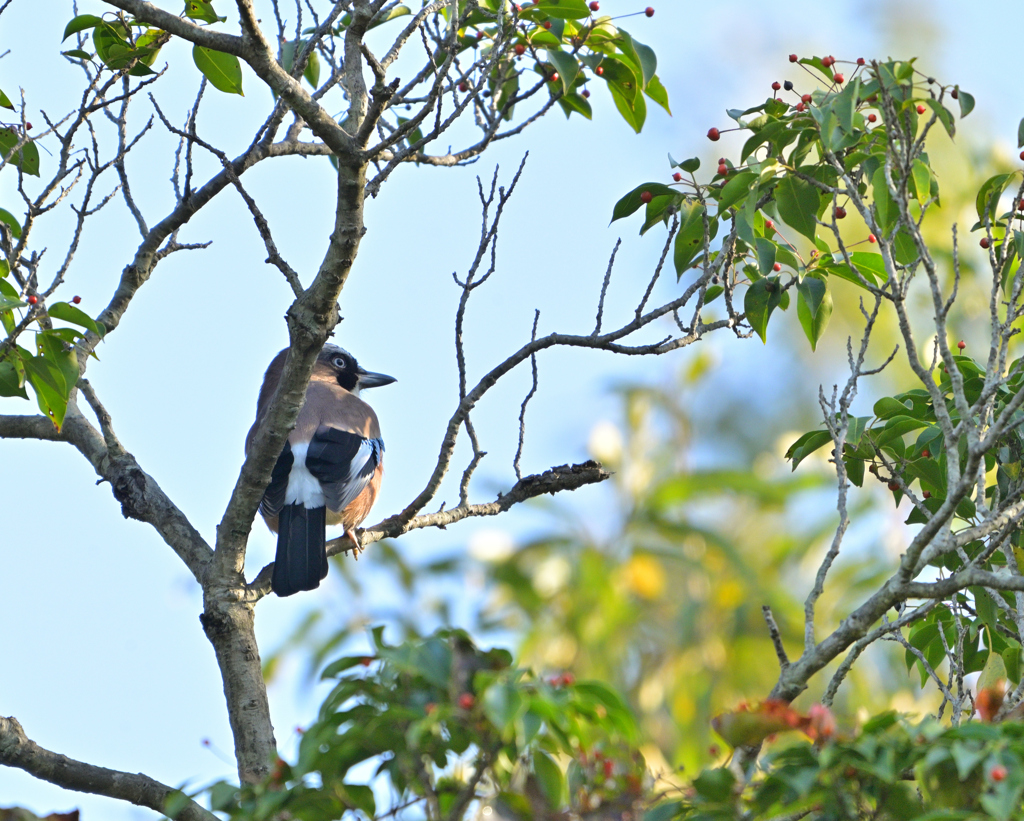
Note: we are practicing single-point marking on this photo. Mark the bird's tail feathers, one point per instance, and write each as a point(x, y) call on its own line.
point(301, 560)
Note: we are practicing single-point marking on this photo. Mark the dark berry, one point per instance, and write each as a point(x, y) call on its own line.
point(840, 212)
point(984, 242)
point(595, 6)
point(463, 87)
point(788, 85)
point(585, 93)
point(954, 94)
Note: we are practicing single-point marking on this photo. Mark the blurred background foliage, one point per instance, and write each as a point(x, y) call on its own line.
point(656, 586)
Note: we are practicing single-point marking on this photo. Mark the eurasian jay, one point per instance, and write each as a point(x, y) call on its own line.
point(329, 471)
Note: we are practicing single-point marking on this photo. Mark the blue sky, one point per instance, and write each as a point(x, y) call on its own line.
point(103, 656)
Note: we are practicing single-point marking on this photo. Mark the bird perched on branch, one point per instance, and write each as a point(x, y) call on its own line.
point(329, 471)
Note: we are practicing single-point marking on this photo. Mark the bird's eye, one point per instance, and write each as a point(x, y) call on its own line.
point(339, 363)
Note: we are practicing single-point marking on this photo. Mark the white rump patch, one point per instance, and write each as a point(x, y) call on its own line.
point(303, 486)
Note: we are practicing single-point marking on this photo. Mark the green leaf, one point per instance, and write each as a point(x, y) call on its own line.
point(12, 380)
point(222, 70)
point(634, 111)
point(922, 177)
point(76, 316)
point(989, 194)
point(716, 784)
point(886, 210)
point(80, 23)
point(690, 165)
point(573, 102)
point(807, 444)
point(798, 205)
point(550, 778)
point(813, 308)
point(77, 53)
point(690, 239)
point(312, 70)
point(657, 92)
point(502, 704)
point(632, 201)
point(761, 299)
point(50, 388)
point(944, 115)
point(12, 221)
point(202, 10)
point(5, 101)
point(904, 248)
point(1020, 134)
point(621, 78)
point(558, 9)
point(766, 250)
point(26, 157)
point(567, 66)
point(736, 189)
point(966, 103)
point(641, 56)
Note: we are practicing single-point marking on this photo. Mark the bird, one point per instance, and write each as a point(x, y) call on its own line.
point(330, 469)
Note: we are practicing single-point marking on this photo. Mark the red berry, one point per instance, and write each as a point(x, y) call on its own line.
point(927, 494)
point(28, 126)
point(76, 299)
point(806, 98)
point(595, 6)
point(517, 7)
point(554, 77)
point(723, 169)
point(599, 71)
point(586, 93)
point(894, 485)
point(840, 212)
point(839, 78)
point(827, 61)
point(721, 160)
point(1020, 205)
point(872, 239)
point(646, 196)
point(860, 61)
point(1022, 155)
point(872, 118)
point(927, 454)
point(366, 661)
point(800, 107)
point(777, 266)
point(520, 49)
point(961, 344)
point(677, 176)
point(921, 109)
point(649, 11)
point(568, 679)
point(609, 767)
point(32, 300)
point(769, 224)
point(997, 773)
point(954, 94)
point(793, 58)
point(714, 135)
point(466, 701)
point(776, 85)
point(547, 24)
point(463, 87)
point(984, 242)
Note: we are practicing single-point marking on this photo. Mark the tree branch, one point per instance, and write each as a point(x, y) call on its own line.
point(18, 750)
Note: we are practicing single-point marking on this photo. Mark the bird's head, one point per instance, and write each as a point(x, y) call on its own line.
point(338, 364)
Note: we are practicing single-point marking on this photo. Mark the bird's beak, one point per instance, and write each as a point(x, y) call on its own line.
point(368, 379)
